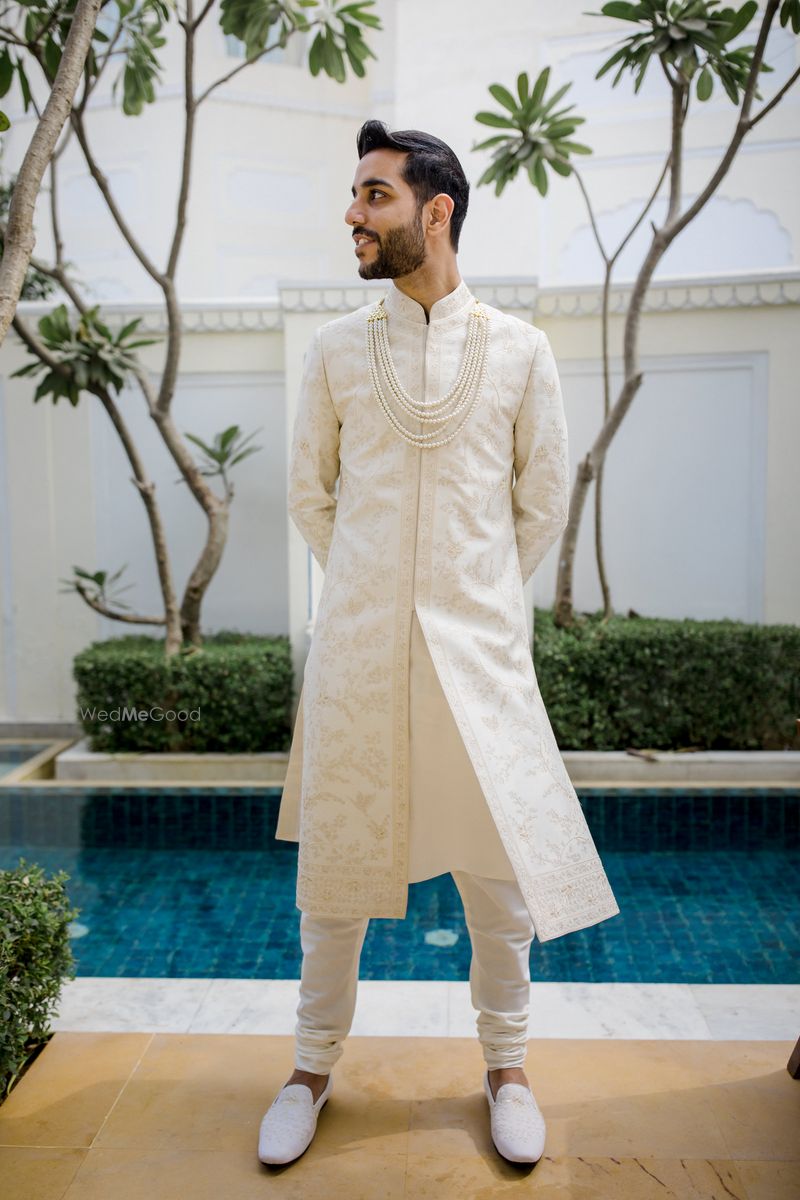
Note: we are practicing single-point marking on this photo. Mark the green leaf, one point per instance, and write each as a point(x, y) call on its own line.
point(6, 71)
point(127, 329)
point(705, 84)
point(492, 141)
point(562, 167)
point(315, 55)
point(573, 147)
point(503, 96)
point(540, 87)
point(522, 87)
point(741, 19)
point(560, 128)
point(25, 87)
point(52, 57)
point(494, 119)
point(790, 11)
point(243, 454)
point(489, 174)
point(624, 12)
point(609, 63)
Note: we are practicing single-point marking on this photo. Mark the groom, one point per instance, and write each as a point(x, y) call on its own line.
point(421, 744)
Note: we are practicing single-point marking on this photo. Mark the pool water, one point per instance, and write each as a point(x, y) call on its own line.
point(193, 883)
point(12, 754)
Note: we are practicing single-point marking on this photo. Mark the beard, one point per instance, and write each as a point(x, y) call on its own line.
point(399, 252)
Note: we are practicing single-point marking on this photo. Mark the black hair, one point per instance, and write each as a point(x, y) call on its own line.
point(431, 167)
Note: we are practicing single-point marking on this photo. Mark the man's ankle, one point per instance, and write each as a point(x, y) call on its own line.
point(500, 1075)
point(315, 1082)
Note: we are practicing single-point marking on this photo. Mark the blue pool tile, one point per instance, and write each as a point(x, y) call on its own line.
point(192, 882)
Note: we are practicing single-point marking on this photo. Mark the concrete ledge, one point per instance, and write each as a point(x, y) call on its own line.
point(78, 763)
point(693, 767)
point(590, 768)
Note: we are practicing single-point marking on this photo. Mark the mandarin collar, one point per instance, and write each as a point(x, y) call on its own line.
point(398, 304)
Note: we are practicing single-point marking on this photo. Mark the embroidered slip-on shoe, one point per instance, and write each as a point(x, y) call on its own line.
point(289, 1124)
point(518, 1127)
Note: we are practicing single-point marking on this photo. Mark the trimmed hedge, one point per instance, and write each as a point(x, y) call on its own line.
point(233, 695)
point(35, 958)
point(654, 683)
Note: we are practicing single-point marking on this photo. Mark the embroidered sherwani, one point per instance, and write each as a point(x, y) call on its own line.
point(445, 537)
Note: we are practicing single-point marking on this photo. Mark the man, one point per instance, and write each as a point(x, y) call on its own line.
point(421, 744)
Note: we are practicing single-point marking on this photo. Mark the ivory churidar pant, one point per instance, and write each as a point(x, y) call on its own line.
point(450, 830)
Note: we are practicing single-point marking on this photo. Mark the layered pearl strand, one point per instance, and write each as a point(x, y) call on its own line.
point(462, 396)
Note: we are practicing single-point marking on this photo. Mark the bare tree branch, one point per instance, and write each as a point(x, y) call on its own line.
point(592, 220)
point(775, 99)
point(147, 490)
point(644, 211)
point(204, 11)
point(36, 347)
point(102, 182)
point(218, 83)
point(105, 611)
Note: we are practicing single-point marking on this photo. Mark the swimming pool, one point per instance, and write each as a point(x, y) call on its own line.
point(190, 882)
point(12, 754)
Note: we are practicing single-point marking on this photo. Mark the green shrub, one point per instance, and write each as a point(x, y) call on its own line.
point(35, 958)
point(650, 682)
point(235, 692)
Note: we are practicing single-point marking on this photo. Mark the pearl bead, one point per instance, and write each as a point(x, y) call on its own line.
point(462, 395)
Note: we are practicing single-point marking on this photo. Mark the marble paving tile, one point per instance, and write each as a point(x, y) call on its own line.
point(405, 1008)
point(196, 1091)
point(355, 1118)
point(641, 1102)
point(436, 1177)
point(129, 1005)
point(247, 1006)
point(416, 1068)
point(770, 1180)
point(217, 1174)
point(435, 1008)
point(752, 1012)
point(63, 1099)
point(38, 1172)
point(655, 1095)
point(384, 1008)
point(592, 1010)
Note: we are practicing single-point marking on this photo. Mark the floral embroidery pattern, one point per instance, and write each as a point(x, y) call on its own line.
point(453, 532)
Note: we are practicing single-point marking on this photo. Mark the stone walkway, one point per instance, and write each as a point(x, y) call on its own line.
point(124, 1116)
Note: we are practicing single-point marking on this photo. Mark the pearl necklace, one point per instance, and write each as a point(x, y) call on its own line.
point(436, 413)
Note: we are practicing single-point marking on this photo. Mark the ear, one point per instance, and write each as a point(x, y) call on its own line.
point(439, 212)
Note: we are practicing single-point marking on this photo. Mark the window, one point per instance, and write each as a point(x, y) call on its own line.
point(292, 54)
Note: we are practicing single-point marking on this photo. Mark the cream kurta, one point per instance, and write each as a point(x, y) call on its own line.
point(452, 532)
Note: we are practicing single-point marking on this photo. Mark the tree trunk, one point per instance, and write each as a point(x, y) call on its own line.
point(20, 238)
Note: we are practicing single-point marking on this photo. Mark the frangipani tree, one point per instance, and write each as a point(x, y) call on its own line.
point(77, 354)
point(689, 41)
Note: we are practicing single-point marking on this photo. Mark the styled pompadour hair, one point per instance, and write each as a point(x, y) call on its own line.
point(431, 167)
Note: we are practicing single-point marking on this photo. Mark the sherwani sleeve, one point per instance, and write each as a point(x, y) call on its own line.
point(540, 495)
point(314, 457)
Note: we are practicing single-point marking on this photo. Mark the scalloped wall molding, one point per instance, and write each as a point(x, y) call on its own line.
point(522, 294)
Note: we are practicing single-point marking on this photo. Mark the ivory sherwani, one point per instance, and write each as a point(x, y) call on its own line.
point(452, 532)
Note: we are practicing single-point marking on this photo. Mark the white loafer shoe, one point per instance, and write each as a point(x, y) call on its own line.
point(518, 1127)
point(289, 1124)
